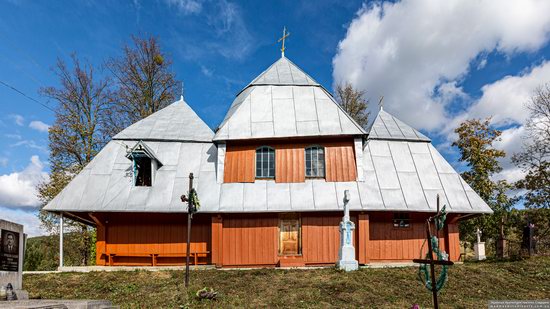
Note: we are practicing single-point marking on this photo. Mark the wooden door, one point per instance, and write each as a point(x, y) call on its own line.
point(289, 237)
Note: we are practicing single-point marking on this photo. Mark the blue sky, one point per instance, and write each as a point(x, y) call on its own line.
point(435, 63)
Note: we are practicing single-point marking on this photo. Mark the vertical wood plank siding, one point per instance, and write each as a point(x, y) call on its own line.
point(289, 163)
point(142, 234)
point(321, 238)
point(340, 162)
point(240, 161)
point(250, 240)
point(393, 244)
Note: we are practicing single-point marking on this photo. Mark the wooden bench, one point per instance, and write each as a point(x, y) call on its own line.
point(194, 255)
point(154, 256)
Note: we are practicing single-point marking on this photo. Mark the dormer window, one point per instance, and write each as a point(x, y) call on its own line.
point(315, 162)
point(265, 162)
point(144, 164)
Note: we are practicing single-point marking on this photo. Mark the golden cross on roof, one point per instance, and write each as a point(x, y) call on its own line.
point(285, 35)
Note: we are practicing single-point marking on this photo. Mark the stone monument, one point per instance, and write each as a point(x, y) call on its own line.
point(346, 254)
point(479, 247)
point(12, 245)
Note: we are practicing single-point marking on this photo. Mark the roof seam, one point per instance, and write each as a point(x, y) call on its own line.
point(398, 179)
point(376, 176)
point(439, 177)
point(417, 175)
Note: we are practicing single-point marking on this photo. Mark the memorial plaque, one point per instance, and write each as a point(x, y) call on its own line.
point(9, 250)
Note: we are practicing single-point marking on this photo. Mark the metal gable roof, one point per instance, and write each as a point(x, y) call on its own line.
point(175, 122)
point(386, 127)
point(285, 102)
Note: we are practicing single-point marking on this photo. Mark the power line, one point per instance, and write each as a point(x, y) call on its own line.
point(26, 96)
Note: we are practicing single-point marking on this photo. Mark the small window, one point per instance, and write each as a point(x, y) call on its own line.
point(142, 171)
point(265, 162)
point(315, 162)
point(401, 220)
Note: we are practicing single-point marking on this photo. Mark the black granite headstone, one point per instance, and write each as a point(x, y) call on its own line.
point(9, 250)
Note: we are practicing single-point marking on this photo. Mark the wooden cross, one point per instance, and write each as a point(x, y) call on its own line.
point(285, 35)
point(430, 259)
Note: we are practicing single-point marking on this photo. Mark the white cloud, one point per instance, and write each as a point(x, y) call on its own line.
point(29, 220)
point(18, 189)
point(39, 126)
point(186, 6)
point(18, 119)
point(506, 101)
point(407, 51)
point(30, 144)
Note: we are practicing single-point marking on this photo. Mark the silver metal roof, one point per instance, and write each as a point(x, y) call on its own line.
point(402, 171)
point(284, 72)
point(176, 122)
point(386, 126)
point(398, 176)
point(285, 102)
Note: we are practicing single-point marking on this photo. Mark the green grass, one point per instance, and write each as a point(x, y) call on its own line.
point(470, 285)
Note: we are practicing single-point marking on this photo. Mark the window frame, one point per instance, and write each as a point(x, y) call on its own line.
point(256, 176)
point(404, 217)
point(324, 162)
point(135, 170)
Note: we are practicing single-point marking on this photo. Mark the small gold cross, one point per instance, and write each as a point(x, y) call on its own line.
point(285, 35)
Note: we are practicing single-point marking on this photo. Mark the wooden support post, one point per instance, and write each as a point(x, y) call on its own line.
point(217, 240)
point(363, 238)
point(61, 240)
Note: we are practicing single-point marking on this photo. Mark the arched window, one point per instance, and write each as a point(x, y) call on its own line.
point(315, 161)
point(265, 162)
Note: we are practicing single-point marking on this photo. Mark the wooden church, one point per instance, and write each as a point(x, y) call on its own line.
point(270, 181)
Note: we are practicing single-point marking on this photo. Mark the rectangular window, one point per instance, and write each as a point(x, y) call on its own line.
point(142, 171)
point(315, 162)
point(401, 220)
point(265, 162)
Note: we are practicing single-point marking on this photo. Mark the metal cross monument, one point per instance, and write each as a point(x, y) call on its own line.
point(285, 35)
point(433, 283)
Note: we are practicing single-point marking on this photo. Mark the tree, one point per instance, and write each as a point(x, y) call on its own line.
point(534, 160)
point(475, 144)
point(145, 83)
point(354, 103)
point(77, 135)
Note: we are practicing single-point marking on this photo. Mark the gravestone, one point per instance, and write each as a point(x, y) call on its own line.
point(479, 247)
point(12, 245)
point(346, 254)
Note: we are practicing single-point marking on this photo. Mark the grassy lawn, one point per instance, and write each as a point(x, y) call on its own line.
point(470, 285)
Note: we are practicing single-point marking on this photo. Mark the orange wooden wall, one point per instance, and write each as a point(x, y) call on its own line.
point(240, 161)
point(387, 243)
point(239, 164)
point(340, 162)
point(250, 240)
point(150, 233)
point(321, 238)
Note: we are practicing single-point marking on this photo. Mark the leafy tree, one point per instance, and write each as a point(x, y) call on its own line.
point(76, 136)
point(534, 160)
point(144, 81)
point(475, 144)
point(353, 102)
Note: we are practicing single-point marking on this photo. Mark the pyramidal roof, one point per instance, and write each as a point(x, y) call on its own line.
point(175, 122)
point(283, 101)
point(387, 127)
point(284, 72)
